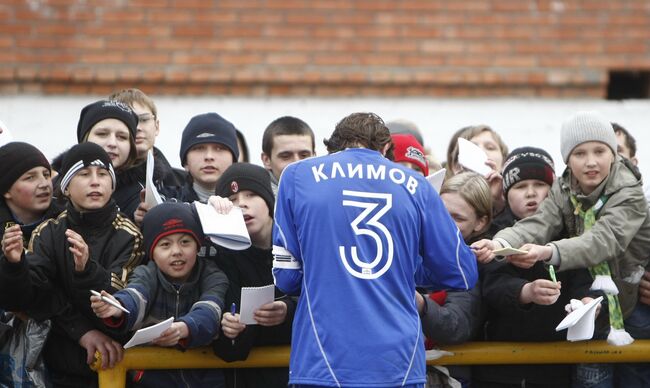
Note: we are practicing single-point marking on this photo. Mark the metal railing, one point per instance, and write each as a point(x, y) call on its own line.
point(472, 353)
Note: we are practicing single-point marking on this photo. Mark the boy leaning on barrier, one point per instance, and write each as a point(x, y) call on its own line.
point(598, 201)
point(175, 283)
point(88, 246)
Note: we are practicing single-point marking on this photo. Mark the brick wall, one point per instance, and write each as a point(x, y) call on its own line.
point(322, 47)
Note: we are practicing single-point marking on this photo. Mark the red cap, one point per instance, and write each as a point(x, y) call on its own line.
point(408, 149)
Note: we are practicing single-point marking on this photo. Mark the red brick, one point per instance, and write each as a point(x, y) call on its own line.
point(186, 58)
point(102, 57)
point(196, 31)
point(121, 17)
point(171, 16)
point(287, 59)
point(55, 29)
point(216, 17)
point(262, 17)
point(240, 59)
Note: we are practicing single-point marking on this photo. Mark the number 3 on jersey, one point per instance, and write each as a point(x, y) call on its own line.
point(369, 218)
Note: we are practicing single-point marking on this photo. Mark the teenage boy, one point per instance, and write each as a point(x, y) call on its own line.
point(175, 283)
point(352, 230)
point(147, 131)
point(286, 140)
point(249, 187)
point(88, 246)
point(208, 148)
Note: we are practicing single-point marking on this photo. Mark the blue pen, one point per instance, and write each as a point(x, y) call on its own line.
point(233, 310)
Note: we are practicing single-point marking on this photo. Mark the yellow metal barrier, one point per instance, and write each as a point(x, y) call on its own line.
point(473, 353)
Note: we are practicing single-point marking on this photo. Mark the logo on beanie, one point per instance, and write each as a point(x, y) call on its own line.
point(116, 104)
point(204, 134)
point(174, 223)
point(234, 187)
point(414, 153)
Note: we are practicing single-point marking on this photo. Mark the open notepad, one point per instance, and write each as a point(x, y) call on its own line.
point(227, 230)
point(252, 298)
point(580, 322)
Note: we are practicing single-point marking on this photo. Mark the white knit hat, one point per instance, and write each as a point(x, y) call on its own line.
point(583, 127)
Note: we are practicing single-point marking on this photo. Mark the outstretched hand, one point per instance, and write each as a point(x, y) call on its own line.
point(103, 309)
point(540, 291)
point(171, 336)
point(12, 243)
point(483, 250)
point(534, 254)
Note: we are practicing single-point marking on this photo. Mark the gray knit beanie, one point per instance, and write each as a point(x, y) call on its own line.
point(583, 127)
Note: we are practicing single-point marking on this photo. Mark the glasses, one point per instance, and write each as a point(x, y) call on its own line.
point(145, 118)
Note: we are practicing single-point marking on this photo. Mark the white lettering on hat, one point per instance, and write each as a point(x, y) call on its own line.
point(512, 177)
point(205, 134)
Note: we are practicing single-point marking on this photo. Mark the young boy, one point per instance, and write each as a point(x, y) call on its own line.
point(598, 201)
point(26, 188)
point(175, 283)
point(88, 246)
point(285, 140)
point(208, 148)
point(249, 187)
point(526, 304)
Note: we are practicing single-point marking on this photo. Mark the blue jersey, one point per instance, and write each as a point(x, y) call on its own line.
point(351, 231)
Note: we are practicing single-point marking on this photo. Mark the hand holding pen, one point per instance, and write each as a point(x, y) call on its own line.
point(230, 324)
point(105, 305)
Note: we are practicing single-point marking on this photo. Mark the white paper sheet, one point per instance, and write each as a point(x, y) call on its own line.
point(148, 334)
point(151, 197)
point(437, 178)
point(580, 322)
point(228, 230)
point(508, 251)
point(253, 298)
point(472, 157)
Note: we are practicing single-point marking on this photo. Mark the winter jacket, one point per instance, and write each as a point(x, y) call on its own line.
point(252, 268)
point(152, 298)
point(509, 320)
point(46, 286)
point(621, 234)
point(7, 219)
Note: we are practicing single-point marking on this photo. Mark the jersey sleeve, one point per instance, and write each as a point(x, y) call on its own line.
point(287, 261)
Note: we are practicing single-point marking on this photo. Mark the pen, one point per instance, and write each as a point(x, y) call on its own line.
point(233, 310)
point(551, 271)
point(110, 301)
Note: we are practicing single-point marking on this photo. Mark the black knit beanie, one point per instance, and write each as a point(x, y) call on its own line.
point(169, 218)
point(81, 156)
point(527, 163)
point(16, 158)
point(246, 176)
point(209, 128)
point(106, 109)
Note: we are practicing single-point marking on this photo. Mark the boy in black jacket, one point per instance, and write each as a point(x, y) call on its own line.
point(88, 246)
point(249, 187)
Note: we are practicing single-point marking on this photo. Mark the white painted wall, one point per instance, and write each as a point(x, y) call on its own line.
point(49, 122)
